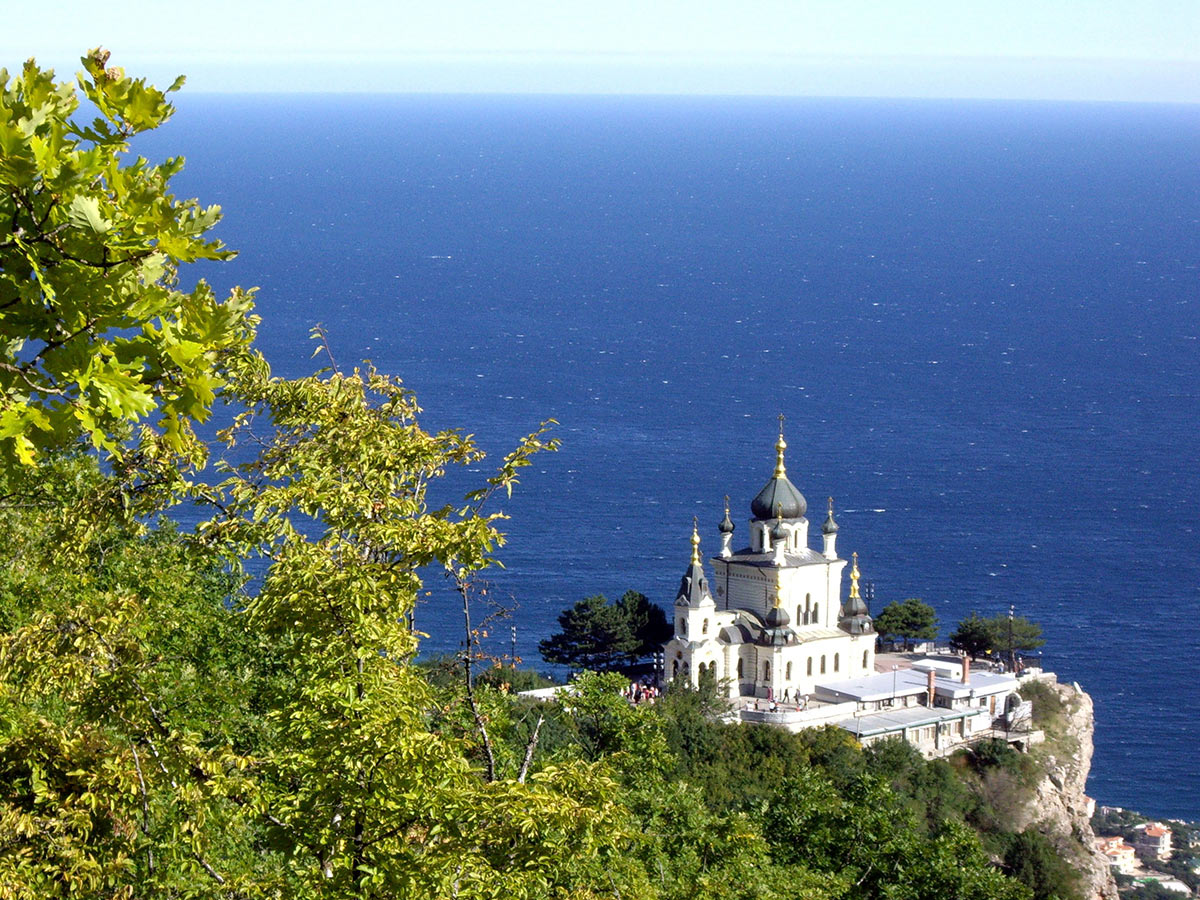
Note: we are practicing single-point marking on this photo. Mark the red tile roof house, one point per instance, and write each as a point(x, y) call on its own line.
point(1153, 841)
point(1120, 855)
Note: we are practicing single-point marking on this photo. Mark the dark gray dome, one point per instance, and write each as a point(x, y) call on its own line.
point(777, 617)
point(779, 498)
point(726, 526)
point(777, 635)
point(830, 526)
point(778, 533)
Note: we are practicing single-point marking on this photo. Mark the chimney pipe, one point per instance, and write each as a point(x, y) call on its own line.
point(931, 678)
point(966, 669)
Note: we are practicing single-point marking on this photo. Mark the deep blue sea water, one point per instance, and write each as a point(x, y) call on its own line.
point(980, 319)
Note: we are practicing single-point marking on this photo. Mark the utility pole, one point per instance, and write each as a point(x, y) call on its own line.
point(1012, 667)
point(1012, 649)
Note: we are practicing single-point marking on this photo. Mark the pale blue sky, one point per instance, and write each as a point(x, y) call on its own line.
point(1054, 49)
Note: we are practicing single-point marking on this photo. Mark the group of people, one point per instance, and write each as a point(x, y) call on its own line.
point(641, 692)
point(646, 691)
point(793, 699)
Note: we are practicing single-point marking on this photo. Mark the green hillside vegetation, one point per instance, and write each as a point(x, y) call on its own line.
point(168, 729)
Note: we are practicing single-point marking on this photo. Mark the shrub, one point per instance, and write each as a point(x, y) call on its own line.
point(1033, 860)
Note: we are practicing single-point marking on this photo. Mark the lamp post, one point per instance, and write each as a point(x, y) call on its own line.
point(1012, 649)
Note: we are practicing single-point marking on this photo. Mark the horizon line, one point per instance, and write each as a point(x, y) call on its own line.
point(661, 94)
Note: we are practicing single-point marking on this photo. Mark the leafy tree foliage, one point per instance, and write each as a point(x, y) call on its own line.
point(978, 636)
point(630, 737)
point(910, 620)
point(594, 636)
point(972, 636)
point(1032, 859)
point(1014, 635)
point(347, 729)
point(864, 833)
point(96, 332)
point(995, 753)
point(597, 635)
point(647, 622)
point(691, 851)
point(931, 789)
point(126, 702)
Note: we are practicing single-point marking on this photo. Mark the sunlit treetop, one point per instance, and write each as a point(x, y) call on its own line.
point(95, 333)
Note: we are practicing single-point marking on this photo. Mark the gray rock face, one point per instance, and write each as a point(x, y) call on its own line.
point(1060, 806)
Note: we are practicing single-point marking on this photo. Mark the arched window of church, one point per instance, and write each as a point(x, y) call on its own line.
point(810, 665)
point(807, 608)
point(740, 669)
point(683, 626)
point(864, 659)
point(789, 671)
point(766, 671)
point(816, 612)
point(800, 615)
point(704, 627)
point(837, 660)
point(822, 663)
point(674, 667)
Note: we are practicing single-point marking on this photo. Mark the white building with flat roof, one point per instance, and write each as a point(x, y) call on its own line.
point(923, 705)
point(987, 691)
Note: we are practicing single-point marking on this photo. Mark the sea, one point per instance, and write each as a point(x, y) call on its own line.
point(980, 320)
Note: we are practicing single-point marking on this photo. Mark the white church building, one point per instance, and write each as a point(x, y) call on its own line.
point(772, 622)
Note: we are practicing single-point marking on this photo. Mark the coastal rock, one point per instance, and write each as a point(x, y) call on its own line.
point(1060, 808)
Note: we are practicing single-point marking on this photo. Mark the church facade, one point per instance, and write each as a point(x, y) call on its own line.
point(772, 622)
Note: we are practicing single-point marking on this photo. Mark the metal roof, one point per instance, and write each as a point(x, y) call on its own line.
point(908, 682)
point(808, 633)
point(746, 557)
point(779, 499)
point(896, 720)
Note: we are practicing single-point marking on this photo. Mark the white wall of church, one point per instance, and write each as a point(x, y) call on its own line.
point(811, 593)
point(761, 671)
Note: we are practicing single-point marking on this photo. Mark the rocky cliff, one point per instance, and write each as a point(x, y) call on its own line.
point(1059, 807)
